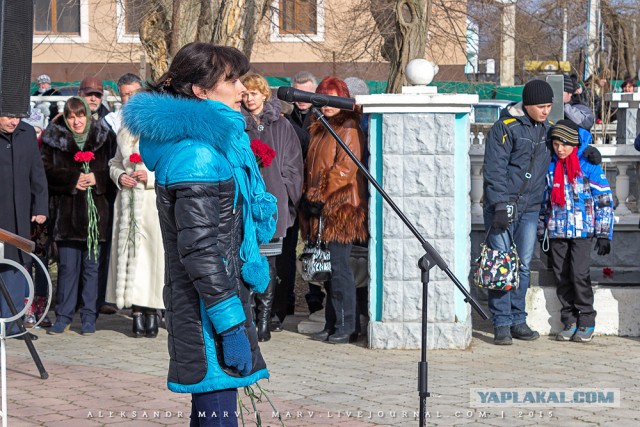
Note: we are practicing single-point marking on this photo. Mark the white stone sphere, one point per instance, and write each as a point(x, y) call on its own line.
point(421, 71)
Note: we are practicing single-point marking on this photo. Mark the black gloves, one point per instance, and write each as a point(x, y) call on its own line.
point(500, 219)
point(592, 154)
point(603, 246)
point(311, 208)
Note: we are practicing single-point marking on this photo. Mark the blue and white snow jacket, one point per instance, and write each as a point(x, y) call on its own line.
point(589, 203)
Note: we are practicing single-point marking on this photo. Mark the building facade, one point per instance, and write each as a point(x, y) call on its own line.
point(76, 38)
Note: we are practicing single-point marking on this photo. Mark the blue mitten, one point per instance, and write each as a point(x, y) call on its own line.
point(236, 350)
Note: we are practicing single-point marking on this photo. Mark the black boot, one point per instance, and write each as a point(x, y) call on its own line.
point(263, 330)
point(138, 324)
point(151, 324)
point(264, 303)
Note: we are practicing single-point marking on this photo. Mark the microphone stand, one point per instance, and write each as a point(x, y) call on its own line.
point(430, 259)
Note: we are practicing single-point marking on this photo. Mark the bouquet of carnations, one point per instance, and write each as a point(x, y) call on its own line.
point(93, 235)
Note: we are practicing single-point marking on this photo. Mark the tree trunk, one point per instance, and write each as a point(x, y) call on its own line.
point(170, 24)
point(184, 22)
point(154, 35)
point(238, 22)
point(410, 39)
point(621, 45)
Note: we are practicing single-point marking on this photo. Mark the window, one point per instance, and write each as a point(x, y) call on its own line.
point(298, 17)
point(133, 14)
point(297, 21)
point(57, 16)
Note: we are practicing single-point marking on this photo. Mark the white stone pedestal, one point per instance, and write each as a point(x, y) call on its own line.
point(419, 144)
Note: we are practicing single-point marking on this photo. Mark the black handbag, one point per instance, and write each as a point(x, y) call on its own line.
point(316, 260)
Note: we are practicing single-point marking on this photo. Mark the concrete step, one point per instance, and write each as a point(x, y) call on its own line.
point(618, 310)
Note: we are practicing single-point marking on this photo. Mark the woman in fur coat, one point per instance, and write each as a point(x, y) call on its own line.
point(335, 190)
point(72, 133)
point(136, 266)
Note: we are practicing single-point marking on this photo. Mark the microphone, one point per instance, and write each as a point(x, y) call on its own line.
point(289, 94)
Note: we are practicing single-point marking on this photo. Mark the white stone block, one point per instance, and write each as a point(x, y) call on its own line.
point(412, 253)
point(393, 254)
point(393, 174)
point(420, 175)
point(421, 211)
point(386, 335)
point(408, 335)
point(420, 132)
point(445, 175)
point(392, 225)
point(393, 301)
point(444, 128)
point(441, 302)
point(392, 134)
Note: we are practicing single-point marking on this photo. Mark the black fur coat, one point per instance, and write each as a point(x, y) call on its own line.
point(67, 205)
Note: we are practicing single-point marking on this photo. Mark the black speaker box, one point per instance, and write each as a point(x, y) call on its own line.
point(16, 40)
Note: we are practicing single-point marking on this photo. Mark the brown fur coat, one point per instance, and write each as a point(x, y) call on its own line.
point(332, 178)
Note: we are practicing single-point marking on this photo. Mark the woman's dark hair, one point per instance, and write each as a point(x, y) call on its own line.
point(629, 82)
point(201, 64)
point(76, 106)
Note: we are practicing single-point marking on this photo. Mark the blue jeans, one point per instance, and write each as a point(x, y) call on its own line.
point(508, 308)
point(214, 409)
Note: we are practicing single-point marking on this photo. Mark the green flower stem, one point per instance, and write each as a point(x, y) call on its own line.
point(93, 234)
point(133, 224)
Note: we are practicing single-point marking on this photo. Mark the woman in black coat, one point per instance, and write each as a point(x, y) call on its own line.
point(66, 136)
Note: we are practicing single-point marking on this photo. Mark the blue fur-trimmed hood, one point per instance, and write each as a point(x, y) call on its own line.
point(172, 130)
point(147, 114)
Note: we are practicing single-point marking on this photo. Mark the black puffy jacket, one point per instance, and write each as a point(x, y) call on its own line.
point(515, 142)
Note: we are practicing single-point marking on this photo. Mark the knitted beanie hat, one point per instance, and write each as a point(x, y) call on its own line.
point(537, 92)
point(566, 132)
point(569, 86)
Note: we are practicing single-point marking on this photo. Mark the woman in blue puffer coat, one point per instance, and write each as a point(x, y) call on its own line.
point(578, 207)
point(214, 212)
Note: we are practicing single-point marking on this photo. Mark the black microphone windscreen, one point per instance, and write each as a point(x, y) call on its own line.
point(285, 93)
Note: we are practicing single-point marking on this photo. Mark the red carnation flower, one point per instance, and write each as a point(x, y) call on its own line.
point(84, 156)
point(135, 158)
point(607, 272)
point(263, 152)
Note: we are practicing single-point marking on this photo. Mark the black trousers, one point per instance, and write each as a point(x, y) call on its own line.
point(570, 259)
point(340, 312)
point(285, 296)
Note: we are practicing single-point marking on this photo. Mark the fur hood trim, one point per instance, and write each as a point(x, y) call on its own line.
point(165, 120)
point(57, 135)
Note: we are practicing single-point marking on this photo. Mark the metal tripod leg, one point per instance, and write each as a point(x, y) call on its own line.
point(27, 338)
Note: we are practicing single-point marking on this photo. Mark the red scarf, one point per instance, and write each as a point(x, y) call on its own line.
point(572, 165)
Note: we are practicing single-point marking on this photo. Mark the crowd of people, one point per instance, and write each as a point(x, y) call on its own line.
point(188, 203)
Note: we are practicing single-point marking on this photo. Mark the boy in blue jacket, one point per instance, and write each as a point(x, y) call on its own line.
point(578, 206)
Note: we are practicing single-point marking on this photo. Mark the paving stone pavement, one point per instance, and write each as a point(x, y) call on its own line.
point(110, 378)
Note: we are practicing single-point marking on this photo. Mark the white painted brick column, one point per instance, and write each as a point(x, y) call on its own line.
point(419, 145)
